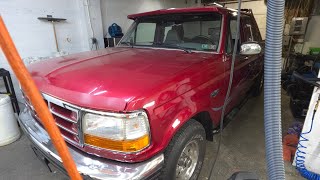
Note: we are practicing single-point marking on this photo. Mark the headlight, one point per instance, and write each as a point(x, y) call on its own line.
point(118, 132)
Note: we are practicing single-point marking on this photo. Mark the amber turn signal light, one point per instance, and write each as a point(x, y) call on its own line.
point(123, 146)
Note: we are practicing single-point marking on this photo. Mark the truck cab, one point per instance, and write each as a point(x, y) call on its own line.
point(146, 108)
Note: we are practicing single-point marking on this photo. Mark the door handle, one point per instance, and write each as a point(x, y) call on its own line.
point(215, 93)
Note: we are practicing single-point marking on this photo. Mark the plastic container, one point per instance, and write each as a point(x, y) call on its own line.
point(314, 51)
point(9, 130)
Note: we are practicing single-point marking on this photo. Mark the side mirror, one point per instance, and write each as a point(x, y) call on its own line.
point(250, 48)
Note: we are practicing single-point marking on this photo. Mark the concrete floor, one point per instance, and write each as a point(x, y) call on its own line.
point(243, 146)
point(242, 149)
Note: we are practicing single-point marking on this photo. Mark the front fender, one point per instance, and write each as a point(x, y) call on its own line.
point(170, 117)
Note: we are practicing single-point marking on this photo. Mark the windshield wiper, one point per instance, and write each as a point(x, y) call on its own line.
point(137, 44)
point(168, 45)
point(187, 50)
point(127, 43)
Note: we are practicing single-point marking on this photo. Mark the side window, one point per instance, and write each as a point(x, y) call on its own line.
point(229, 44)
point(233, 33)
point(145, 33)
point(251, 31)
point(228, 41)
point(256, 32)
point(247, 29)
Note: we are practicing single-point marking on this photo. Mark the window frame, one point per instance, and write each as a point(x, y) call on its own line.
point(249, 20)
point(135, 24)
point(229, 37)
point(229, 19)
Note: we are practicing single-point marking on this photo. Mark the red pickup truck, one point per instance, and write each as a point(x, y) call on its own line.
point(145, 108)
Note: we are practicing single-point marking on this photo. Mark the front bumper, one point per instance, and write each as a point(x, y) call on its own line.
point(87, 165)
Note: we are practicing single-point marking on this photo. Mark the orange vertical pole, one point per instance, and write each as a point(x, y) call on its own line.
point(36, 99)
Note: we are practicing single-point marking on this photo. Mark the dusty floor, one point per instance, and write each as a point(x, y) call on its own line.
point(242, 149)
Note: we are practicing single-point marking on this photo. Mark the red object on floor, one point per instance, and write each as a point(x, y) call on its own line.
point(290, 142)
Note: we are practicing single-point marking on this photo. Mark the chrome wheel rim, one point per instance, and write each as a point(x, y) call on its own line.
point(187, 161)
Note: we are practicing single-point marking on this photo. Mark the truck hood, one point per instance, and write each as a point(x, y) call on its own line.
point(108, 79)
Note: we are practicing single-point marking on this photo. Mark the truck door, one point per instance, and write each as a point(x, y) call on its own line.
point(241, 67)
point(252, 33)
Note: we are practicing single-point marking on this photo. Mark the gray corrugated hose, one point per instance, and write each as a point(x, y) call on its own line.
point(272, 93)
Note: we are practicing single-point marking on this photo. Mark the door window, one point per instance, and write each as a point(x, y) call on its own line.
point(251, 30)
point(228, 47)
point(229, 44)
point(232, 31)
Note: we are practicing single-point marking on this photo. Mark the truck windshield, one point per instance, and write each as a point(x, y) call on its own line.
point(199, 32)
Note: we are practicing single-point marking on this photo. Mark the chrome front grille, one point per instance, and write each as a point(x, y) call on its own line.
point(66, 116)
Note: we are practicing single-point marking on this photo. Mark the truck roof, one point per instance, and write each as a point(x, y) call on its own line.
point(179, 10)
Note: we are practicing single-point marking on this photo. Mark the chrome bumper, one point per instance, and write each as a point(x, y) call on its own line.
point(87, 165)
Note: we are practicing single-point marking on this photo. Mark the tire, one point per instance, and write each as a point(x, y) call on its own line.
point(191, 136)
point(258, 86)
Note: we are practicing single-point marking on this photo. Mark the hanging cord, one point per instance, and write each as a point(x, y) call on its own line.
point(88, 9)
point(300, 155)
point(234, 53)
point(94, 40)
point(300, 159)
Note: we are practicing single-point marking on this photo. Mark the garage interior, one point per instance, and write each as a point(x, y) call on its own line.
point(237, 151)
point(84, 25)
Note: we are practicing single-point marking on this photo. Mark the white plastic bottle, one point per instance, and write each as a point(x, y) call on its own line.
point(9, 130)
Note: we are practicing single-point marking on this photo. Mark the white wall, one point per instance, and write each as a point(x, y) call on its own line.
point(117, 11)
point(34, 38)
point(90, 11)
point(259, 11)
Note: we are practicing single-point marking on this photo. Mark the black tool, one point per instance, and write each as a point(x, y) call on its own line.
point(9, 89)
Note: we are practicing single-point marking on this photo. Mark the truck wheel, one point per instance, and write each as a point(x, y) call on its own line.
point(185, 153)
point(258, 86)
